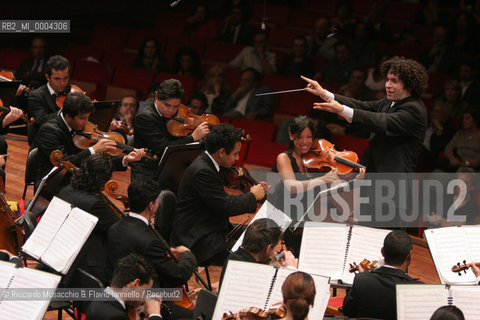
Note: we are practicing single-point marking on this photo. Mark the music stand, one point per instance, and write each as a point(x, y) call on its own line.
point(104, 113)
point(175, 160)
point(8, 90)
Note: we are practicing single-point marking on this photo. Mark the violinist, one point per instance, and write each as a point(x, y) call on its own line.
point(41, 103)
point(57, 134)
point(131, 272)
point(258, 246)
point(134, 235)
point(203, 206)
point(398, 121)
point(8, 118)
point(150, 126)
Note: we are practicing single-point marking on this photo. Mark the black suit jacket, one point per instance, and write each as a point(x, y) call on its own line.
point(263, 105)
point(239, 255)
point(109, 310)
point(42, 106)
point(399, 132)
point(151, 132)
point(93, 256)
point(54, 135)
point(373, 294)
point(203, 209)
point(132, 235)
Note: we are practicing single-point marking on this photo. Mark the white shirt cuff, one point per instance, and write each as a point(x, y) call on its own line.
point(328, 95)
point(91, 150)
point(124, 163)
point(347, 113)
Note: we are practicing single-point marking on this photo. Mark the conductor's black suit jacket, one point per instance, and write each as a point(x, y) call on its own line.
point(398, 132)
point(373, 294)
point(204, 208)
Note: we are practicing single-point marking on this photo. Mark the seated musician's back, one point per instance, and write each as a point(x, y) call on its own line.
point(373, 294)
point(203, 206)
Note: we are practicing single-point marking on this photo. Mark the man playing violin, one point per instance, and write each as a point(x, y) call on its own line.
point(258, 246)
point(150, 126)
point(41, 103)
point(57, 134)
point(134, 235)
point(398, 121)
point(203, 206)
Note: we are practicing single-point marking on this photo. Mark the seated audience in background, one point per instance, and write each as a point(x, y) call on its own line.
point(363, 50)
point(319, 42)
point(187, 63)
point(355, 87)
point(468, 77)
point(199, 25)
point(150, 96)
point(258, 245)
point(150, 57)
point(464, 148)
point(375, 79)
point(131, 272)
point(463, 34)
point(451, 97)
point(297, 63)
point(198, 103)
point(439, 132)
point(32, 70)
point(375, 20)
point(234, 28)
point(123, 120)
point(244, 103)
point(257, 56)
point(441, 56)
point(343, 21)
point(379, 284)
point(338, 69)
point(448, 313)
point(216, 90)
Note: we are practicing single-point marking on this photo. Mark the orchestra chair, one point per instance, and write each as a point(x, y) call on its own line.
point(12, 58)
point(92, 71)
point(30, 170)
point(133, 78)
point(221, 52)
point(205, 306)
point(78, 52)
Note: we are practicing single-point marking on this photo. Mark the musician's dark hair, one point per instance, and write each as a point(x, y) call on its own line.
point(298, 291)
point(297, 125)
point(131, 267)
point(223, 136)
point(77, 103)
point(93, 173)
point(260, 234)
point(396, 247)
point(141, 192)
point(412, 73)
point(448, 313)
point(168, 89)
point(56, 62)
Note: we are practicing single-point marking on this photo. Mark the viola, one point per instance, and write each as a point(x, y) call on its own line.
point(9, 76)
point(366, 265)
point(10, 233)
point(185, 122)
point(237, 178)
point(91, 134)
point(458, 268)
point(63, 95)
point(323, 155)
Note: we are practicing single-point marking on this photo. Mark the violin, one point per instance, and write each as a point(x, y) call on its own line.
point(185, 122)
point(458, 268)
point(24, 117)
point(91, 134)
point(63, 95)
point(9, 76)
point(323, 155)
point(366, 265)
point(237, 178)
point(254, 313)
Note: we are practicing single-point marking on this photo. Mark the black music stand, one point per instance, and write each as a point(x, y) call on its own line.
point(104, 113)
point(174, 162)
point(8, 90)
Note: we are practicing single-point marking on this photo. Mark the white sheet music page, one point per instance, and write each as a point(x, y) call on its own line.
point(244, 285)
point(46, 229)
point(365, 243)
point(419, 301)
point(323, 248)
point(267, 210)
point(473, 237)
point(7, 270)
point(26, 278)
point(69, 240)
point(466, 298)
point(449, 246)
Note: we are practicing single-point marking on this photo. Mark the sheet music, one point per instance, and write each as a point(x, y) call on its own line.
point(449, 246)
point(26, 278)
point(244, 285)
point(69, 240)
point(420, 301)
point(267, 210)
point(323, 248)
point(466, 298)
point(7, 270)
point(45, 231)
point(365, 243)
point(473, 237)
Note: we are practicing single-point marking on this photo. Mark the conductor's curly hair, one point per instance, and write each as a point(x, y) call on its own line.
point(412, 73)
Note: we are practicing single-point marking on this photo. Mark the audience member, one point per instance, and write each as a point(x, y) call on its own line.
point(380, 30)
point(441, 56)
point(451, 97)
point(199, 25)
point(187, 63)
point(298, 63)
point(150, 57)
point(464, 34)
point(343, 20)
point(215, 89)
point(32, 70)
point(256, 56)
point(198, 103)
point(321, 41)
point(355, 87)
point(468, 77)
point(363, 49)
point(235, 29)
point(338, 69)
